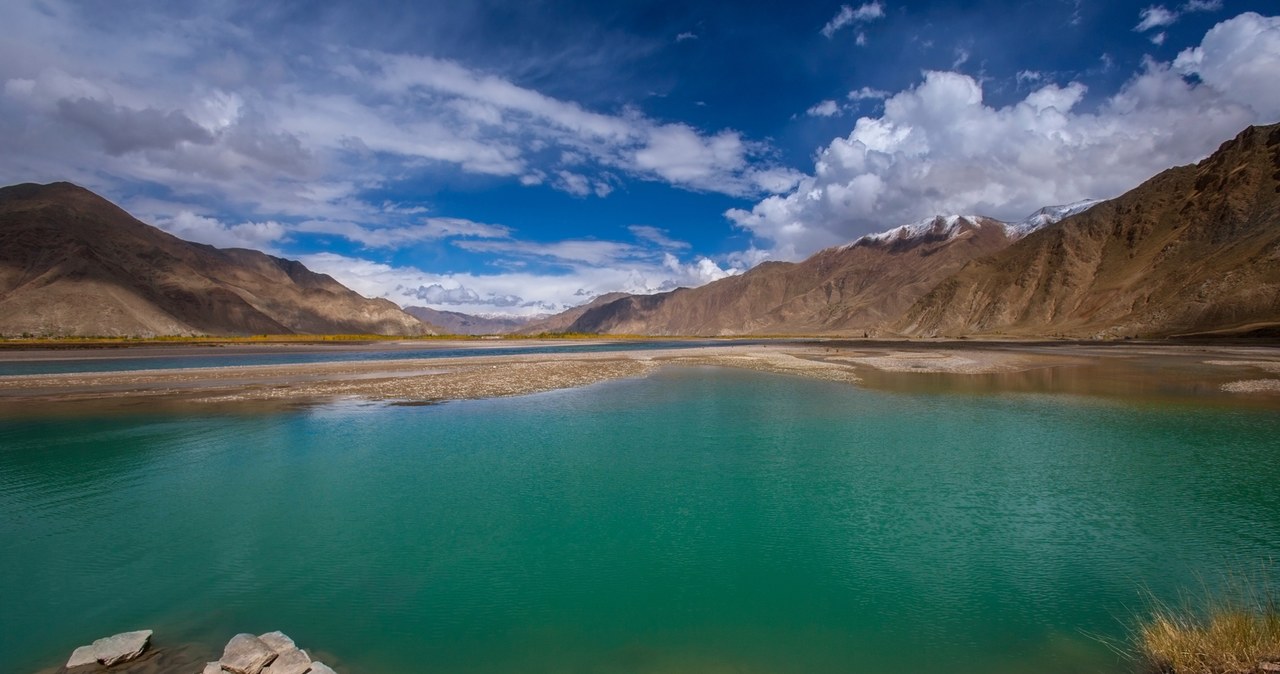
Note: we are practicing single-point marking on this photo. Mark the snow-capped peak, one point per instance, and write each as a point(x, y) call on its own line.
point(949, 226)
point(945, 226)
point(1049, 215)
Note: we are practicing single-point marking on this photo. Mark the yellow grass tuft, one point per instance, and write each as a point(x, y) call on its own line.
point(1237, 635)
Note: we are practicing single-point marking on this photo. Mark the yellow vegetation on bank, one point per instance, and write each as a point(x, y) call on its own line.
point(1228, 636)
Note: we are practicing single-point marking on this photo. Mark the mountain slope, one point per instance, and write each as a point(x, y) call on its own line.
point(1194, 249)
point(457, 323)
point(72, 263)
point(846, 290)
point(563, 321)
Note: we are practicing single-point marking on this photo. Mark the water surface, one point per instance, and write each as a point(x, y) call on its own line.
point(704, 520)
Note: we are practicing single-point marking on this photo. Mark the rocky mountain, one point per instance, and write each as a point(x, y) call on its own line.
point(72, 263)
point(854, 289)
point(1196, 249)
point(563, 321)
point(457, 323)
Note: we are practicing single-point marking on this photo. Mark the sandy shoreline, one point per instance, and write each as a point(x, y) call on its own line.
point(419, 380)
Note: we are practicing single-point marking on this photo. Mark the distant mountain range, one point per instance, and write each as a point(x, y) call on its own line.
point(72, 263)
point(1194, 250)
point(457, 323)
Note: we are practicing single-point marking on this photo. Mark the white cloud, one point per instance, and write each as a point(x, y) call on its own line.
point(867, 93)
point(1028, 76)
point(660, 237)
point(1202, 6)
point(1158, 38)
point(430, 229)
point(514, 293)
point(230, 119)
point(847, 15)
point(686, 36)
point(1239, 59)
point(1155, 16)
point(824, 109)
point(203, 229)
point(940, 148)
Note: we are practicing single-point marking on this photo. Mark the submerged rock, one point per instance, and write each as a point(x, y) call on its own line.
point(321, 668)
point(246, 654)
point(111, 650)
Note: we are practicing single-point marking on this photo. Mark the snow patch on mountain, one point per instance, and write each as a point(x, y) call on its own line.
point(949, 227)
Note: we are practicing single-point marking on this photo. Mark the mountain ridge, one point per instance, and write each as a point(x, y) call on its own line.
point(73, 263)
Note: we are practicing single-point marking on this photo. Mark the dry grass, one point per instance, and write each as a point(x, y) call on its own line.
point(1237, 635)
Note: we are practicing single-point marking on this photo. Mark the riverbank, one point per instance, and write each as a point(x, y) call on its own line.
point(1209, 372)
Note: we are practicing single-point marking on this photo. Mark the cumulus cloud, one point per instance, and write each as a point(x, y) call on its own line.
point(508, 293)
point(848, 15)
point(940, 148)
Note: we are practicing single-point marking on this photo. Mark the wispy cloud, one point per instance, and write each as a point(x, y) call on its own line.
point(1155, 16)
point(848, 15)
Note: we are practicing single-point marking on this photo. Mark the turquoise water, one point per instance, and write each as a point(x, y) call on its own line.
point(699, 520)
point(137, 358)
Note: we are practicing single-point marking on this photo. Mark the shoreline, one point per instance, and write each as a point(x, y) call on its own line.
point(1238, 373)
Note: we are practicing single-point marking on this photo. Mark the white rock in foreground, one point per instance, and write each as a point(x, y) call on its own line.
point(293, 661)
point(212, 668)
point(85, 655)
point(246, 654)
point(278, 641)
point(111, 650)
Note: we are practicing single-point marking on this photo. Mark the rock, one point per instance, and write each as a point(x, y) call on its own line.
point(290, 662)
point(122, 647)
point(321, 668)
point(1269, 666)
point(85, 655)
point(278, 641)
point(111, 650)
point(212, 668)
point(246, 654)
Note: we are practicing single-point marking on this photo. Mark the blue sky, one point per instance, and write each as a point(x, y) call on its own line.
point(522, 157)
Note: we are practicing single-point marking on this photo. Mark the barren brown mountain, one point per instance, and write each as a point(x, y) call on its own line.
point(563, 321)
point(852, 289)
point(72, 263)
point(1195, 249)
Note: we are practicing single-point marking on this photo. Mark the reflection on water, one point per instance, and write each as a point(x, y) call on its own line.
point(1152, 379)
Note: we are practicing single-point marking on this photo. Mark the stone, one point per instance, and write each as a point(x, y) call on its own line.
point(111, 650)
point(321, 668)
point(212, 668)
point(246, 654)
point(122, 647)
point(85, 655)
point(294, 661)
point(1269, 666)
point(278, 641)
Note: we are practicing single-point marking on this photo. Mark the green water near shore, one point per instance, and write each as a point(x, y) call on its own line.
point(699, 520)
